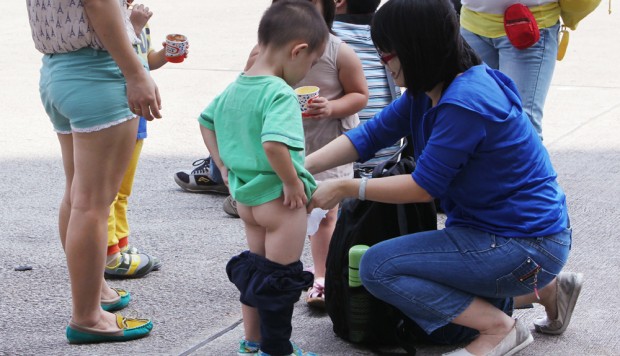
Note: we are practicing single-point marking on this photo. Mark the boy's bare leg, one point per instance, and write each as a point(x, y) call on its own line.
point(255, 235)
point(251, 323)
point(319, 242)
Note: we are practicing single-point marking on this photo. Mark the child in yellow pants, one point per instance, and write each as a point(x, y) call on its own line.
point(124, 260)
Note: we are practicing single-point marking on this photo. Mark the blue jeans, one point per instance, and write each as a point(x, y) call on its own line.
point(215, 173)
point(531, 69)
point(433, 276)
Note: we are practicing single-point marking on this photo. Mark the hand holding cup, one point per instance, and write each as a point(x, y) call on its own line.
point(176, 48)
point(305, 95)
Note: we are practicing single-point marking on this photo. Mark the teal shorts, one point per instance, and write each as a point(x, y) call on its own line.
point(83, 91)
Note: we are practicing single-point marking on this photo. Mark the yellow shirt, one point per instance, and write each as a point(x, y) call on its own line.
point(492, 25)
point(144, 47)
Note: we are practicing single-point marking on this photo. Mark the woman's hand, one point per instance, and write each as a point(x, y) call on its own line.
point(143, 96)
point(328, 194)
point(318, 108)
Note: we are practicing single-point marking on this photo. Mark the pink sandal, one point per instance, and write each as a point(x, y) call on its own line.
point(316, 294)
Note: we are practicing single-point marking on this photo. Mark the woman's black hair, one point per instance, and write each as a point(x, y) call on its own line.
point(329, 12)
point(358, 7)
point(425, 36)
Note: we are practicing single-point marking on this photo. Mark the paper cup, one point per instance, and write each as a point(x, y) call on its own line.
point(176, 48)
point(304, 94)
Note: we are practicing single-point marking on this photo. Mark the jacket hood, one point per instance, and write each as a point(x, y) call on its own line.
point(476, 90)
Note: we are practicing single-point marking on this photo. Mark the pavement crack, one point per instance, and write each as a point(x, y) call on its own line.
point(210, 338)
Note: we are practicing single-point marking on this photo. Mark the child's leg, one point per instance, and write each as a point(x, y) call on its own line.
point(319, 242)
point(120, 205)
point(255, 235)
point(113, 249)
point(138, 264)
point(278, 279)
point(251, 323)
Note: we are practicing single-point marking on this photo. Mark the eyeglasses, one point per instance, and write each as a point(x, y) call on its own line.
point(386, 58)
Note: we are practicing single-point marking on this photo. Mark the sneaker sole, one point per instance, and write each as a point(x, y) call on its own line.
point(190, 188)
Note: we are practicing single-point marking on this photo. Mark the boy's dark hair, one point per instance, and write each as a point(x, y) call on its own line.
point(425, 36)
point(290, 20)
point(355, 7)
point(329, 11)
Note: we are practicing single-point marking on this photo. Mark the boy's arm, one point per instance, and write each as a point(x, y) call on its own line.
point(281, 162)
point(210, 140)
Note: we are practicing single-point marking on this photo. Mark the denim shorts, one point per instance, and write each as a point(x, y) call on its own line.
point(83, 91)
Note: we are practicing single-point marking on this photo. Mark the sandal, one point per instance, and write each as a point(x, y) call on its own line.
point(316, 294)
point(130, 329)
point(131, 266)
point(119, 302)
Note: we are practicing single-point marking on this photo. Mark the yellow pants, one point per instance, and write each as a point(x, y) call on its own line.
point(118, 227)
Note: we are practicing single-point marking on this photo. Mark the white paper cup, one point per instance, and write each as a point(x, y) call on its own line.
point(304, 94)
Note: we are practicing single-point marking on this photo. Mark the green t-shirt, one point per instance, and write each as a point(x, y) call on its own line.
point(251, 111)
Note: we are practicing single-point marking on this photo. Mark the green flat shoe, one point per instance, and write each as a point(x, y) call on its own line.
point(131, 329)
point(121, 301)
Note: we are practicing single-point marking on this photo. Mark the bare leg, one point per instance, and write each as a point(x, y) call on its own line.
point(66, 146)
point(548, 299)
point(492, 323)
point(319, 242)
point(251, 323)
point(99, 159)
point(255, 235)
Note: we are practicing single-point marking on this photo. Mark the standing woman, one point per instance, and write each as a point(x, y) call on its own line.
point(507, 232)
point(531, 68)
point(93, 87)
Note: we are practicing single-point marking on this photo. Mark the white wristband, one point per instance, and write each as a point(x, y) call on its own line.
point(361, 195)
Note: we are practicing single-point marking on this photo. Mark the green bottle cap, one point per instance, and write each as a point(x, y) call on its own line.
point(355, 255)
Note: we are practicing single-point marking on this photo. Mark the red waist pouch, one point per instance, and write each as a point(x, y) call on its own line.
point(521, 27)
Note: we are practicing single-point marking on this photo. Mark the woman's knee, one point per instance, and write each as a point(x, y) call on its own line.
point(370, 267)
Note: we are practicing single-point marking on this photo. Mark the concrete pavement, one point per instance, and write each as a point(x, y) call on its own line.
point(192, 304)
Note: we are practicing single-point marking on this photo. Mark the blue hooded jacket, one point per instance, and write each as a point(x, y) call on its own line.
point(477, 151)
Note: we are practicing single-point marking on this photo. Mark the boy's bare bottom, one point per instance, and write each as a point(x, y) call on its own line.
point(276, 233)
